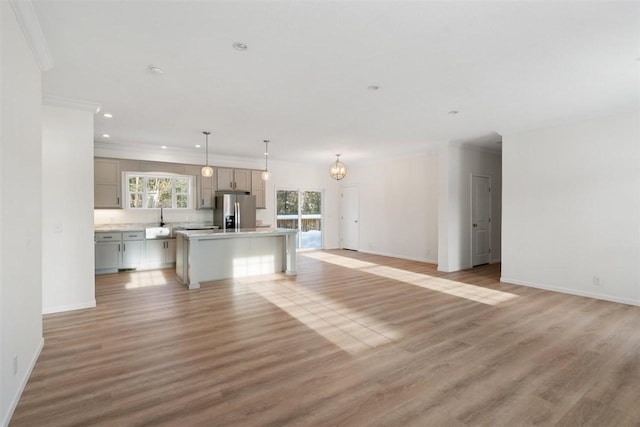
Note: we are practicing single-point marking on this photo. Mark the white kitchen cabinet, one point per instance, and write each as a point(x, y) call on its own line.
point(107, 255)
point(106, 184)
point(132, 249)
point(160, 252)
point(258, 189)
point(234, 179)
point(170, 251)
point(118, 250)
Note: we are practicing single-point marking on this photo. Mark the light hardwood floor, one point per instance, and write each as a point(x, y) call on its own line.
point(353, 340)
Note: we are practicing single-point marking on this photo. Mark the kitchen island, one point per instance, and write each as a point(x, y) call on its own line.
point(207, 255)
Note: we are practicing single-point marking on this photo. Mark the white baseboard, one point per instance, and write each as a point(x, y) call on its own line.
point(23, 384)
point(454, 269)
point(70, 307)
point(570, 291)
point(427, 260)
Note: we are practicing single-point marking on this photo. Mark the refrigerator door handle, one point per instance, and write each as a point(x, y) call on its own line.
point(237, 214)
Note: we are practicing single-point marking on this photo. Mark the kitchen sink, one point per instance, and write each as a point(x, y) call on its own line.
point(157, 232)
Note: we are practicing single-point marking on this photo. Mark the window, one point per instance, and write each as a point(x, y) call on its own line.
point(148, 191)
point(301, 210)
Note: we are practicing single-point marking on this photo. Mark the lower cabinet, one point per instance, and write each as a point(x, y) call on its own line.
point(160, 252)
point(128, 250)
point(107, 255)
point(132, 254)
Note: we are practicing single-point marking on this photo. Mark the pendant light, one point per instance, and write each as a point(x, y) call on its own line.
point(338, 170)
point(207, 171)
point(266, 174)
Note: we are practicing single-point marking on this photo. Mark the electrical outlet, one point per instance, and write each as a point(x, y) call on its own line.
point(15, 364)
point(596, 281)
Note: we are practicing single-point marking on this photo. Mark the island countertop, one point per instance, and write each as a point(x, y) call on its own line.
point(232, 233)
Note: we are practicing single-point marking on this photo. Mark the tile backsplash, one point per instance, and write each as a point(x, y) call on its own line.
point(126, 216)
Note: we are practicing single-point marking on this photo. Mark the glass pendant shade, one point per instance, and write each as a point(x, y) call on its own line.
point(207, 171)
point(338, 170)
point(266, 174)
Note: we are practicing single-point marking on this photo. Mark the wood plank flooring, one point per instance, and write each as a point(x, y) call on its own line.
point(353, 340)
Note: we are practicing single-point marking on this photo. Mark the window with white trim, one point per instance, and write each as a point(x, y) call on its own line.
point(150, 191)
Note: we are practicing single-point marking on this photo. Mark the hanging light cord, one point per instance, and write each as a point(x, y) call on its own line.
point(207, 146)
point(266, 155)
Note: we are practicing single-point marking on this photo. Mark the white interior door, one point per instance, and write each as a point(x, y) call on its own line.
point(481, 219)
point(349, 218)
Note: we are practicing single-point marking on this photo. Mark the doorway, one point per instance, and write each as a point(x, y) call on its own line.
point(349, 217)
point(480, 219)
point(301, 210)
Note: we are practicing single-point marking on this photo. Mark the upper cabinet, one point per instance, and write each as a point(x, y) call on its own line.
point(258, 189)
point(106, 184)
point(205, 187)
point(108, 181)
point(234, 179)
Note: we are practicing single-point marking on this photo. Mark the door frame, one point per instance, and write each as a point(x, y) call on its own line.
point(322, 213)
point(471, 215)
point(342, 216)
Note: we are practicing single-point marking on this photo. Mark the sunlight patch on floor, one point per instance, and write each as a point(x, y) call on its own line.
point(451, 287)
point(348, 329)
point(253, 266)
point(145, 279)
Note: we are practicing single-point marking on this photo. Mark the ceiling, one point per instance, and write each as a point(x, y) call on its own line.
point(304, 80)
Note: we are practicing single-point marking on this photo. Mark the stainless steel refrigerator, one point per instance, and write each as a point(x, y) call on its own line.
point(235, 211)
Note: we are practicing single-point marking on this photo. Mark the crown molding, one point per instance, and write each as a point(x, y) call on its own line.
point(76, 104)
point(28, 20)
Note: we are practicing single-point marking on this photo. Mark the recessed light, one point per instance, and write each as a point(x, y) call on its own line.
point(164, 147)
point(373, 87)
point(108, 115)
point(453, 112)
point(106, 135)
point(156, 69)
point(240, 46)
point(197, 146)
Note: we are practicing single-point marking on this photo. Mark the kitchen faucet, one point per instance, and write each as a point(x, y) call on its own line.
point(161, 218)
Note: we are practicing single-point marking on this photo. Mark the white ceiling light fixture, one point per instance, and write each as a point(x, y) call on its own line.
point(338, 170)
point(156, 69)
point(164, 147)
point(106, 135)
point(266, 174)
point(108, 115)
point(240, 46)
point(207, 171)
point(197, 145)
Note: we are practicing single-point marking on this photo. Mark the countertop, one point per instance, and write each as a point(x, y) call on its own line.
point(141, 227)
point(229, 234)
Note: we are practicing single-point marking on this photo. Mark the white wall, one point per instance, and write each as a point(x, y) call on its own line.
point(67, 183)
point(21, 215)
point(398, 206)
point(571, 208)
point(456, 166)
